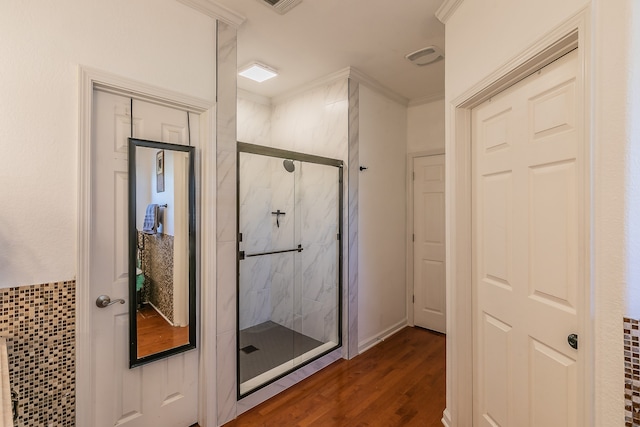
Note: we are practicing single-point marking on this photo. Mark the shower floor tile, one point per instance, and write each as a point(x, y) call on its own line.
point(276, 345)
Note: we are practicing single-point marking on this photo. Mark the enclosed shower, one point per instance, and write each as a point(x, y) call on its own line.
point(289, 262)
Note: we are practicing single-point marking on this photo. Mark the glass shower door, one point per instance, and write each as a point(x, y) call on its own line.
point(288, 263)
point(266, 268)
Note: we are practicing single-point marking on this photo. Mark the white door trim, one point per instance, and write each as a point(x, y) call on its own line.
point(410, 230)
point(570, 34)
point(90, 79)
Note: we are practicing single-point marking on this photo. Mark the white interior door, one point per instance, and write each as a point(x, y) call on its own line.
point(529, 250)
point(162, 393)
point(429, 286)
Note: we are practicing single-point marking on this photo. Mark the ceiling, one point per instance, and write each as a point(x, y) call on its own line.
point(320, 37)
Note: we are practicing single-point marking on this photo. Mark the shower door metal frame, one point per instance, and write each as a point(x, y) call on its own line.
point(244, 147)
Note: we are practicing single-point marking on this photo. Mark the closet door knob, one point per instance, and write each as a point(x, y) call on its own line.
point(573, 341)
point(105, 301)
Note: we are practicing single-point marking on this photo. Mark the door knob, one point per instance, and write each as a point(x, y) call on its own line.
point(573, 341)
point(105, 301)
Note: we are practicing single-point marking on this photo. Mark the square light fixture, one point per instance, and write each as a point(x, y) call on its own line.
point(257, 72)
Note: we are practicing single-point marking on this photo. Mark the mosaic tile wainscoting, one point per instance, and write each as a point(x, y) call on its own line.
point(157, 266)
point(39, 322)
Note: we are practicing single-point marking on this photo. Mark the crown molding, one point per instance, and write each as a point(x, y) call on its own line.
point(216, 11)
point(447, 9)
point(426, 99)
point(346, 73)
point(322, 81)
point(375, 85)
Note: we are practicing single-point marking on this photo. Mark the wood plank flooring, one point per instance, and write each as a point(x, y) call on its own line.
point(156, 334)
point(399, 382)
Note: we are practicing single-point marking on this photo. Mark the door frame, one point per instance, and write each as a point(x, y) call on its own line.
point(574, 32)
point(205, 170)
point(410, 225)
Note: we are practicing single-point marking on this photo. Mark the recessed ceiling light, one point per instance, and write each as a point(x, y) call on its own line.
point(426, 55)
point(257, 72)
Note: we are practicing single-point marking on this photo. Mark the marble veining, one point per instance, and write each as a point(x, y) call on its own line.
point(254, 122)
point(226, 363)
point(226, 278)
point(226, 129)
point(352, 202)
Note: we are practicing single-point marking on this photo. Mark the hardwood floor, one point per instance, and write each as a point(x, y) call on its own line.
point(399, 382)
point(156, 334)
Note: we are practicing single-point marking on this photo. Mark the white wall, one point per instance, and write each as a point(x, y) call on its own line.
point(487, 34)
point(425, 127)
point(629, 112)
point(147, 191)
point(42, 43)
point(483, 34)
point(382, 217)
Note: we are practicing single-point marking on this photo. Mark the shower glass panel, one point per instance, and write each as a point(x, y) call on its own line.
point(289, 262)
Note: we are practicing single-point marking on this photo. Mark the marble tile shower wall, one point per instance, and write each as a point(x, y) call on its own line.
point(318, 284)
point(304, 286)
point(283, 268)
point(315, 122)
point(254, 122)
point(255, 226)
point(302, 289)
point(302, 296)
point(39, 321)
point(254, 126)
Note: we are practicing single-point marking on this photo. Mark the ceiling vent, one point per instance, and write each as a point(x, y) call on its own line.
point(281, 6)
point(426, 55)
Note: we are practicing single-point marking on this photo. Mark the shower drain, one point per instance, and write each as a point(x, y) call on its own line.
point(249, 349)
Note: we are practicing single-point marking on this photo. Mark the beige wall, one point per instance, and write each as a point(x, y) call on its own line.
point(425, 127)
point(42, 45)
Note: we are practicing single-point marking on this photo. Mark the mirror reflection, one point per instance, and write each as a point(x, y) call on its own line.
point(162, 312)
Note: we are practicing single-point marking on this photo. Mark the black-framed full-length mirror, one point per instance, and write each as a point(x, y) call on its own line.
point(162, 288)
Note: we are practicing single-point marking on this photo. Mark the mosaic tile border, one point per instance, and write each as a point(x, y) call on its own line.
point(40, 324)
point(631, 372)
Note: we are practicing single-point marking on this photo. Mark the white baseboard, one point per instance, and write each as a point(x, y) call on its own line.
point(160, 313)
point(446, 418)
point(378, 338)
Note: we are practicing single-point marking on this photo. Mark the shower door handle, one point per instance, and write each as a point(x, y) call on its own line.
point(243, 255)
point(105, 301)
